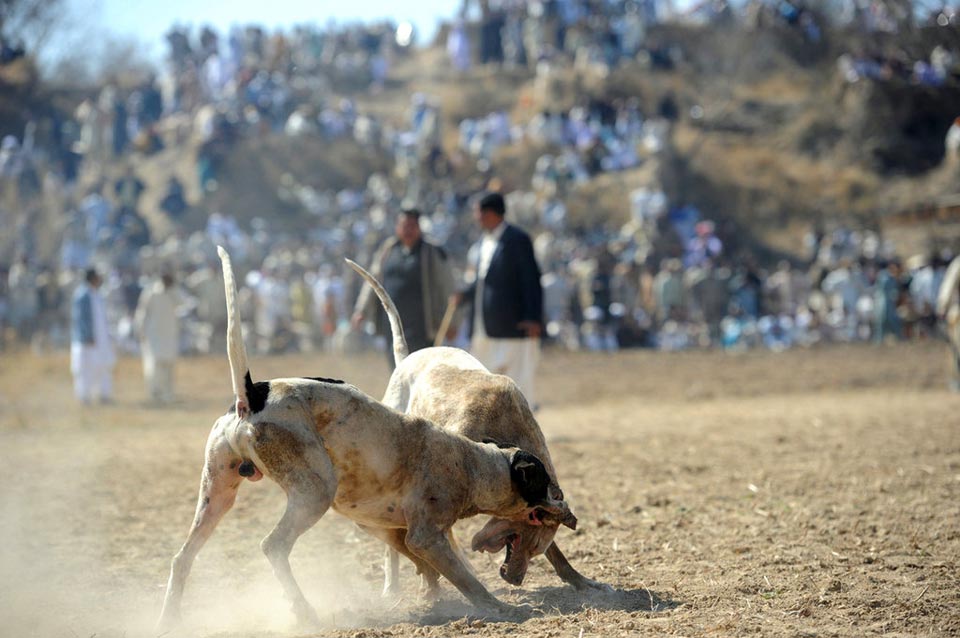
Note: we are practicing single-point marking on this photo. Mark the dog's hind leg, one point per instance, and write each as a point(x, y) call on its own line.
point(218, 491)
point(310, 483)
point(568, 574)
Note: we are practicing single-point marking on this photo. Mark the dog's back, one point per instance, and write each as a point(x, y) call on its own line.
point(450, 387)
point(454, 390)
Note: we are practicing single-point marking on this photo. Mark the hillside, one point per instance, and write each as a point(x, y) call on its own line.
point(769, 140)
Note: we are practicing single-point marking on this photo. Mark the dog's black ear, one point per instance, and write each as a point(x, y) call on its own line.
point(530, 477)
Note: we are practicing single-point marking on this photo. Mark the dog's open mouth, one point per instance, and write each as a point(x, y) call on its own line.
point(512, 542)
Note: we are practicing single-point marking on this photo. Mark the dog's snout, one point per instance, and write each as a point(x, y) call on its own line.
point(247, 469)
point(514, 579)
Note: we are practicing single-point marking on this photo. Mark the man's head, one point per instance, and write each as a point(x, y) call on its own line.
point(490, 210)
point(92, 277)
point(408, 227)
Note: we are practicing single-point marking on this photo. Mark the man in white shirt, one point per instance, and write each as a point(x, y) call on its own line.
point(507, 297)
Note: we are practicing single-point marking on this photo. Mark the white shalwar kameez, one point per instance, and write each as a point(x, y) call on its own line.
point(92, 364)
point(160, 340)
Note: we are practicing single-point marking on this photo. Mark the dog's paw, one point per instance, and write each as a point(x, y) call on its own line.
point(167, 624)
point(391, 591)
point(307, 618)
point(503, 611)
point(430, 593)
point(590, 585)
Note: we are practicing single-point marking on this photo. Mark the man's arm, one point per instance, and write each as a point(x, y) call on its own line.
point(531, 291)
point(468, 291)
point(444, 274)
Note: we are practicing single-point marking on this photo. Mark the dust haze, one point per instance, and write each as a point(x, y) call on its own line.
point(808, 492)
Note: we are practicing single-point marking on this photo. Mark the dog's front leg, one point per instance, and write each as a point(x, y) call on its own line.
point(569, 575)
point(429, 542)
point(395, 540)
point(391, 572)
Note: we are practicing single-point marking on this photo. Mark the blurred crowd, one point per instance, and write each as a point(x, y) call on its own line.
point(600, 34)
point(941, 66)
point(665, 280)
point(669, 278)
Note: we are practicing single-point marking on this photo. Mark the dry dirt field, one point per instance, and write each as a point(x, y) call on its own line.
point(810, 493)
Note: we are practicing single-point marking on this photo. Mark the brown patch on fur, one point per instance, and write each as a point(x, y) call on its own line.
point(279, 449)
point(322, 419)
point(281, 389)
point(355, 479)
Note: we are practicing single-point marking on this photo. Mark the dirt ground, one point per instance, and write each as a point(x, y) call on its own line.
point(809, 493)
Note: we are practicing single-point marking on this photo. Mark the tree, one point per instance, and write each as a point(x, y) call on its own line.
point(30, 22)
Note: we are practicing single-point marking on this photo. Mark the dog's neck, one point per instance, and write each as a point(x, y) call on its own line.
point(498, 495)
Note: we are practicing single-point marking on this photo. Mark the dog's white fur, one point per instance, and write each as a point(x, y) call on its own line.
point(453, 389)
point(327, 444)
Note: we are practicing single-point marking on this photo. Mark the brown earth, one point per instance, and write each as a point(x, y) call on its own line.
point(810, 493)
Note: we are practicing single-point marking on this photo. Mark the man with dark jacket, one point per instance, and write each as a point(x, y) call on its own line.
point(418, 278)
point(507, 317)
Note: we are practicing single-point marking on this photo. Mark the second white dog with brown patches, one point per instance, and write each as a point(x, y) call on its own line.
point(327, 444)
point(451, 388)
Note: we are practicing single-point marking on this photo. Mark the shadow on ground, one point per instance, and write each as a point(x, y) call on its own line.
point(547, 601)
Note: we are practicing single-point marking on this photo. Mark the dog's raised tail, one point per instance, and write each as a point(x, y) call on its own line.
point(236, 350)
point(400, 350)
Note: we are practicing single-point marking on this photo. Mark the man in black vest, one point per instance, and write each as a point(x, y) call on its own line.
point(507, 316)
point(418, 278)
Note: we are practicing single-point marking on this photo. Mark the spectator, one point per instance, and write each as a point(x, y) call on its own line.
point(507, 315)
point(128, 188)
point(417, 277)
point(886, 298)
point(328, 296)
point(952, 143)
point(92, 354)
point(173, 203)
point(157, 324)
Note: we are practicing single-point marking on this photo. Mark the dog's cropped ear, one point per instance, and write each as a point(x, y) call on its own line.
point(533, 483)
point(530, 477)
point(557, 511)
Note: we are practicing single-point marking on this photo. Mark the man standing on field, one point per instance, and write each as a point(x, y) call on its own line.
point(507, 317)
